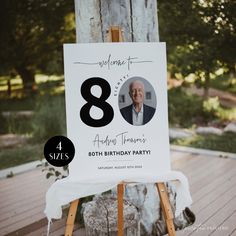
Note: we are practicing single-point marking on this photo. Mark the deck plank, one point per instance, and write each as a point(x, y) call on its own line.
point(55, 226)
point(233, 233)
point(197, 206)
point(210, 175)
point(212, 209)
point(212, 185)
point(22, 200)
point(216, 183)
point(220, 180)
point(223, 223)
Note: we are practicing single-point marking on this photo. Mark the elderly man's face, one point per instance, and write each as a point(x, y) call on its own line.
point(137, 93)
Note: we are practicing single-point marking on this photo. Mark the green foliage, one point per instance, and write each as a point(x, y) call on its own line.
point(211, 105)
point(53, 87)
point(3, 126)
point(224, 143)
point(14, 156)
point(187, 110)
point(32, 34)
point(49, 118)
point(184, 109)
point(16, 125)
point(213, 110)
point(224, 82)
point(226, 114)
point(200, 36)
point(17, 104)
point(12, 122)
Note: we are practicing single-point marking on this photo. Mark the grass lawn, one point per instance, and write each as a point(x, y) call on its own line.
point(224, 143)
point(15, 125)
point(16, 104)
point(10, 157)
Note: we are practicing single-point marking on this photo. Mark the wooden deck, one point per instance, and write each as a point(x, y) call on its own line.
point(212, 184)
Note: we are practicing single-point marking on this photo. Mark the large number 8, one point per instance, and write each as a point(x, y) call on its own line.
point(100, 102)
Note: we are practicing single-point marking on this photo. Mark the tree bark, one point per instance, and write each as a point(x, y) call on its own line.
point(232, 73)
point(137, 18)
point(206, 85)
point(28, 78)
point(138, 21)
point(100, 217)
point(9, 88)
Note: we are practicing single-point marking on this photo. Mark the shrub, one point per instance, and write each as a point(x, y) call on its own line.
point(211, 104)
point(49, 118)
point(210, 107)
point(224, 143)
point(184, 109)
point(3, 124)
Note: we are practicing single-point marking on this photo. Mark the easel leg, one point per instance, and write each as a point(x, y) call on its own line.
point(166, 207)
point(71, 218)
point(120, 223)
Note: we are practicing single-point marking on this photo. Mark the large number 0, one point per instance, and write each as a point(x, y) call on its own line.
point(100, 102)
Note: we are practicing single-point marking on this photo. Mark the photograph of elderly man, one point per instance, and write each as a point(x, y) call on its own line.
point(137, 113)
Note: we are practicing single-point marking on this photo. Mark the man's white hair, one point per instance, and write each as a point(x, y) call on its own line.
point(136, 81)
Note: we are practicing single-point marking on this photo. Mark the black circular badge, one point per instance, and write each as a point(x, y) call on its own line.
point(59, 151)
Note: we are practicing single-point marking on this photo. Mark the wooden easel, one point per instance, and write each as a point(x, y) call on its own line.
point(115, 35)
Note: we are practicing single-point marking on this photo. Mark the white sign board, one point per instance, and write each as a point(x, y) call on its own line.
point(116, 106)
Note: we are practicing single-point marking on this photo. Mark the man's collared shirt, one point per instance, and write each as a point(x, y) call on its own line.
point(137, 116)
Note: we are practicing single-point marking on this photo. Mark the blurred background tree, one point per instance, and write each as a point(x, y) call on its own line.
point(200, 36)
point(31, 37)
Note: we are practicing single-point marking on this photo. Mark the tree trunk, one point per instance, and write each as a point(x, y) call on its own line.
point(106, 224)
point(28, 79)
point(138, 20)
point(232, 74)
point(206, 86)
point(9, 88)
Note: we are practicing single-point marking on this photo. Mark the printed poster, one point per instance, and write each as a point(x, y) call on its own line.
point(116, 108)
